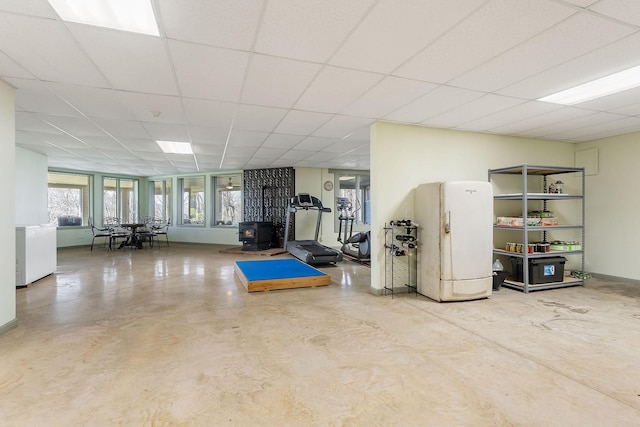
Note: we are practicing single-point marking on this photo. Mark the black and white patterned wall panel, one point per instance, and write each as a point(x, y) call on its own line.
point(266, 197)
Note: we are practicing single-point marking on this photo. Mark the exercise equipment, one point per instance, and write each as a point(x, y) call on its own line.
point(309, 251)
point(354, 245)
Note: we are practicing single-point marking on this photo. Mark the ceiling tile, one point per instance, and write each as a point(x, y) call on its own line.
point(65, 141)
point(276, 140)
point(438, 101)
point(143, 106)
point(475, 109)
point(230, 24)
point(47, 50)
point(141, 145)
point(535, 122)
point(208, 135)
point(297, 154)
point(209, 113)
point(36, 97)
point(520, 112)
point(478, 38)
point(208, 72)
point(247, 138)
point(76, 126)
point(569, 39)
point(28, 7)
point(269, 153)
point(33, 122)
point(131, 62)
point(342, 126)
point(276, 82)
point(624, 10)
point(122, 128)
point(388, 95)
point(263, 119)
point(608, 59)
point(167, 131)
point(574, 124)
point(319, 27)
point(93, 102)
point(395, 31)
point(616, 123)
point(335, 88)
point(9, 68)
point(314, 143)
point(302, 122)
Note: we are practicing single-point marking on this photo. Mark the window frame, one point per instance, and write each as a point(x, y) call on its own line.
point(361, 223)
point(181, 214)
point(86, 195)
point(133, 216)
point(166, 198)
point(218, 185)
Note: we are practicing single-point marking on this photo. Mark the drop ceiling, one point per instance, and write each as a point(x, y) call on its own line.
point(273, 83)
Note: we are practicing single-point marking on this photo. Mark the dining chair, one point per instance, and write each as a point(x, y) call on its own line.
point(145, 233)
point(160, 228)
point(99, 232)
point(118, 234)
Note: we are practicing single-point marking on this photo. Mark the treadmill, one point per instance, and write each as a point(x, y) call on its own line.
point(309, 251)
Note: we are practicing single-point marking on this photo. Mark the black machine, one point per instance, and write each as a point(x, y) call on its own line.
point(309, 251)
point(354, 245)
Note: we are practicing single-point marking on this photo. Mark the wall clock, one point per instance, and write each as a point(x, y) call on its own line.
point(328, 185)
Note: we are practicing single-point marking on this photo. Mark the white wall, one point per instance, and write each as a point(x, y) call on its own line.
point(403, 156)
point(613, 208)
point(31, 188)
point(7, 214)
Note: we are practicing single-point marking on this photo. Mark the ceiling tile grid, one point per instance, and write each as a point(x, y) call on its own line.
point(257, 83)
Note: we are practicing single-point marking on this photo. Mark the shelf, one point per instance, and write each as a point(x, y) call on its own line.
point(532, 177)
point(537, 196)
point(538, 227)
point(567, 282)
point(535, 170)
point(536, 254)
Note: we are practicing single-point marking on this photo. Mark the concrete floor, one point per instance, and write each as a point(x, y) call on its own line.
point(170, 337)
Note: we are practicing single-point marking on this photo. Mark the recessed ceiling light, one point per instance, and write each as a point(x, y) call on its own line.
point(604, 86)
point(128, 15)
point(173, 147)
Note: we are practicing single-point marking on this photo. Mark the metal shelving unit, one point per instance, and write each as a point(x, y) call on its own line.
point(400, 258)
point(526, 172)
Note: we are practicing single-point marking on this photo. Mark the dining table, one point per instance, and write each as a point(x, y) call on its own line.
point(133, 239)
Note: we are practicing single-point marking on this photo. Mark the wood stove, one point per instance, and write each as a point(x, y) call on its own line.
point(256, 235)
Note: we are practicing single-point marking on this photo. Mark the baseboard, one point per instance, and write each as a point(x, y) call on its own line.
point(8, 326)
point(376, 291)
point(615, 278)
point(396, 290)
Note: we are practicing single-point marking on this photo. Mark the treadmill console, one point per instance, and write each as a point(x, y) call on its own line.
point(304, 200)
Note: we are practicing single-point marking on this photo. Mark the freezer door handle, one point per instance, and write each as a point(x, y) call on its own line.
point(447, 226)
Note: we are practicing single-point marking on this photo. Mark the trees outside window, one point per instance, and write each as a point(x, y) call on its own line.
point(193, 201)
point(160, 202)
point(69, 197)
point(120, 199)
point(228, 199)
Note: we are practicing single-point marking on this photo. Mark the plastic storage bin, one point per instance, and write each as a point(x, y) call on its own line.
point(541, 270)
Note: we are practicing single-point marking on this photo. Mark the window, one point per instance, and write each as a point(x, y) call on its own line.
point(356, 186)
point(193, 202)
point(160, 201)
point(69, 198)
point(228, 199)
point(120, 199)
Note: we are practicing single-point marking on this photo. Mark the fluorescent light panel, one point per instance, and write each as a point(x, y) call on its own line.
point(604, 86)
point(128, 15)
point(173, 147)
